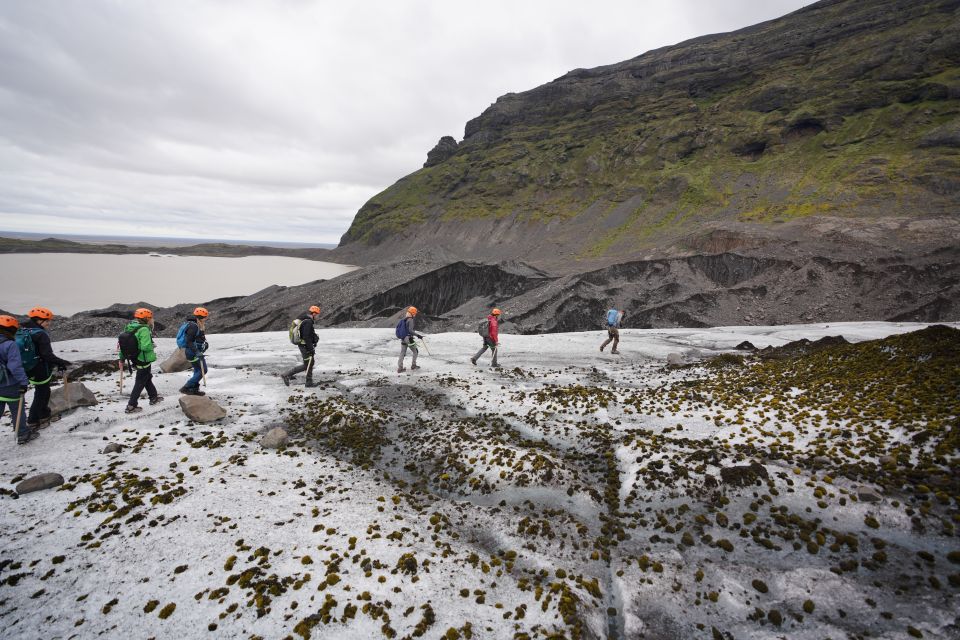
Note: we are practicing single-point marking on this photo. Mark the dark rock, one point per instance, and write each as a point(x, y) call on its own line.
point(113, 447)
point(745, 475)
point(746, 345)
point(40, 482)
point(866, 494)
point(444, 149)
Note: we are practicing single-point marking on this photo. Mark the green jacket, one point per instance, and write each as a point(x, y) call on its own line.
point(145, 341)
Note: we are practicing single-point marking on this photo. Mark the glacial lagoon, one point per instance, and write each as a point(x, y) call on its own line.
point(71, 282)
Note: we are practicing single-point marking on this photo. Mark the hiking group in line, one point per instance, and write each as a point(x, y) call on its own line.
point(27, 358)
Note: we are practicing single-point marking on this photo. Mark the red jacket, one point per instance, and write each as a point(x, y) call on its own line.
point(494, 335)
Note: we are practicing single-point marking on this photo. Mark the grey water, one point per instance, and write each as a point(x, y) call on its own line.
point(70, 282)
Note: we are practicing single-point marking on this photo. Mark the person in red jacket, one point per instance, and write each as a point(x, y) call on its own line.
point(491, 340)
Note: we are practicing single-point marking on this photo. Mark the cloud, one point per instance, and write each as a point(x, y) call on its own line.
point(276, 120)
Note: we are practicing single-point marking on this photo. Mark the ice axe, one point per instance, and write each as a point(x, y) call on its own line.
point(16, 423)
point(424, 343)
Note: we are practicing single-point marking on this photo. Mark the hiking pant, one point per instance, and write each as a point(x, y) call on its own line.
point(40, 407)
point(194, 381)
point(613, 334)
point(306, 366)
point(144, 380)
point(404, 345)
point(14, 405)
point(487, 344)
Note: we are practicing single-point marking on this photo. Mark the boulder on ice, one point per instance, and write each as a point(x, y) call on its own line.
point(70, 396)
point(201, 408)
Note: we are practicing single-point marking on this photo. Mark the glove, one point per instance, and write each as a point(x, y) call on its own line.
point(204, 347)
point(418, 335)
point(23, 390)
point(61, 368)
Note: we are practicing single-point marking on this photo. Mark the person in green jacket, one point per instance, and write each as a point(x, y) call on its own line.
point(141, 329)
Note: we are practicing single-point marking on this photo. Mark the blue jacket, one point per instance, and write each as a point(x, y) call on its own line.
point(10, 358)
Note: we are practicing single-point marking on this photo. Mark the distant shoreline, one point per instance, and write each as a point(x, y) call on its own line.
point(206, 249)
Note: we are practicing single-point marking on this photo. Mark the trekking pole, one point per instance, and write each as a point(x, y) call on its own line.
point(203, 370)
point(66, 389)
point(120, 366)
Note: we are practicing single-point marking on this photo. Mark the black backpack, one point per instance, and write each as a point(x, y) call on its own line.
point(129, 346)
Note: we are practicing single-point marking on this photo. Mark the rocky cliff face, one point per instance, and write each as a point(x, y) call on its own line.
point(845, 109)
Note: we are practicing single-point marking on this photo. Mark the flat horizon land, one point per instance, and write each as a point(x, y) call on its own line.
point(161, 241)
point(571, 494)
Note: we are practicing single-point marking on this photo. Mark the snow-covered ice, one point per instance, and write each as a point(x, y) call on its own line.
point(454, 501)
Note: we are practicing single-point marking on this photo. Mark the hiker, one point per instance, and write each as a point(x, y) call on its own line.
point(193, 340)
point(406, 331)
point(39, 362)
point(614, 318)
point(136, 347)
point(13, 380)
point(304, 335)
point(489, 331)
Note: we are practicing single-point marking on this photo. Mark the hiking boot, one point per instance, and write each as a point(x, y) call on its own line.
point(191, 391)
point(414, 367)
point(285, 378)
point(132, 409)
point(400, 369)
point(33, 434)
point(495, 366)
point(601, 347)
point(616, 353)
point(310, 384)
point(156, 400)
point(473, 361)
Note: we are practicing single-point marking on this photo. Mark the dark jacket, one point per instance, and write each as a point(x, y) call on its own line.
point(16, 376)
point(196, 339)
point(48, 361)
point(307, 333)
point(411, 329)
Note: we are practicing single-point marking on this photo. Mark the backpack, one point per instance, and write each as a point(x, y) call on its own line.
point(28, 348)
point(484, 328)
point(612, 318)
point(402, 329)
point(129, 346)
point(182, 335)
point(294, 332)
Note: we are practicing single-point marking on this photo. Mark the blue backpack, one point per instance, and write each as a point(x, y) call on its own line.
point(402, 329)
point(28, 348)
point(182, 335)
point(612, 318)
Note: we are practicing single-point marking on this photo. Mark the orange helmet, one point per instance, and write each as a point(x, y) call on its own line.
point(9, 322)
point(314, 309)
point(200, 312)
point(412, 311)
point(143, 314)
point(495, 312)
point(41, 313)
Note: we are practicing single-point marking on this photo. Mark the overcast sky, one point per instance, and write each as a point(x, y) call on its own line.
point(277, 120)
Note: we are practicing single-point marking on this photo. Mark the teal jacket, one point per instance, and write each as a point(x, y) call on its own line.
point(145, 342)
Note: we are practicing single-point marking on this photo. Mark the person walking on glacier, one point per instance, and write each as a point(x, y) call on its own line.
point(489, 330)
point(406, 332)
point(614, 318)
point(192, 338)
point(13, 380)
point(304, 335)
point(136, 347)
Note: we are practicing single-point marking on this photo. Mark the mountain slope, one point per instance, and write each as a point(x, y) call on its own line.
point(843, 109)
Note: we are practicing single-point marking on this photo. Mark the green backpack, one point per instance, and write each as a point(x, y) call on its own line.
point(28, 348)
